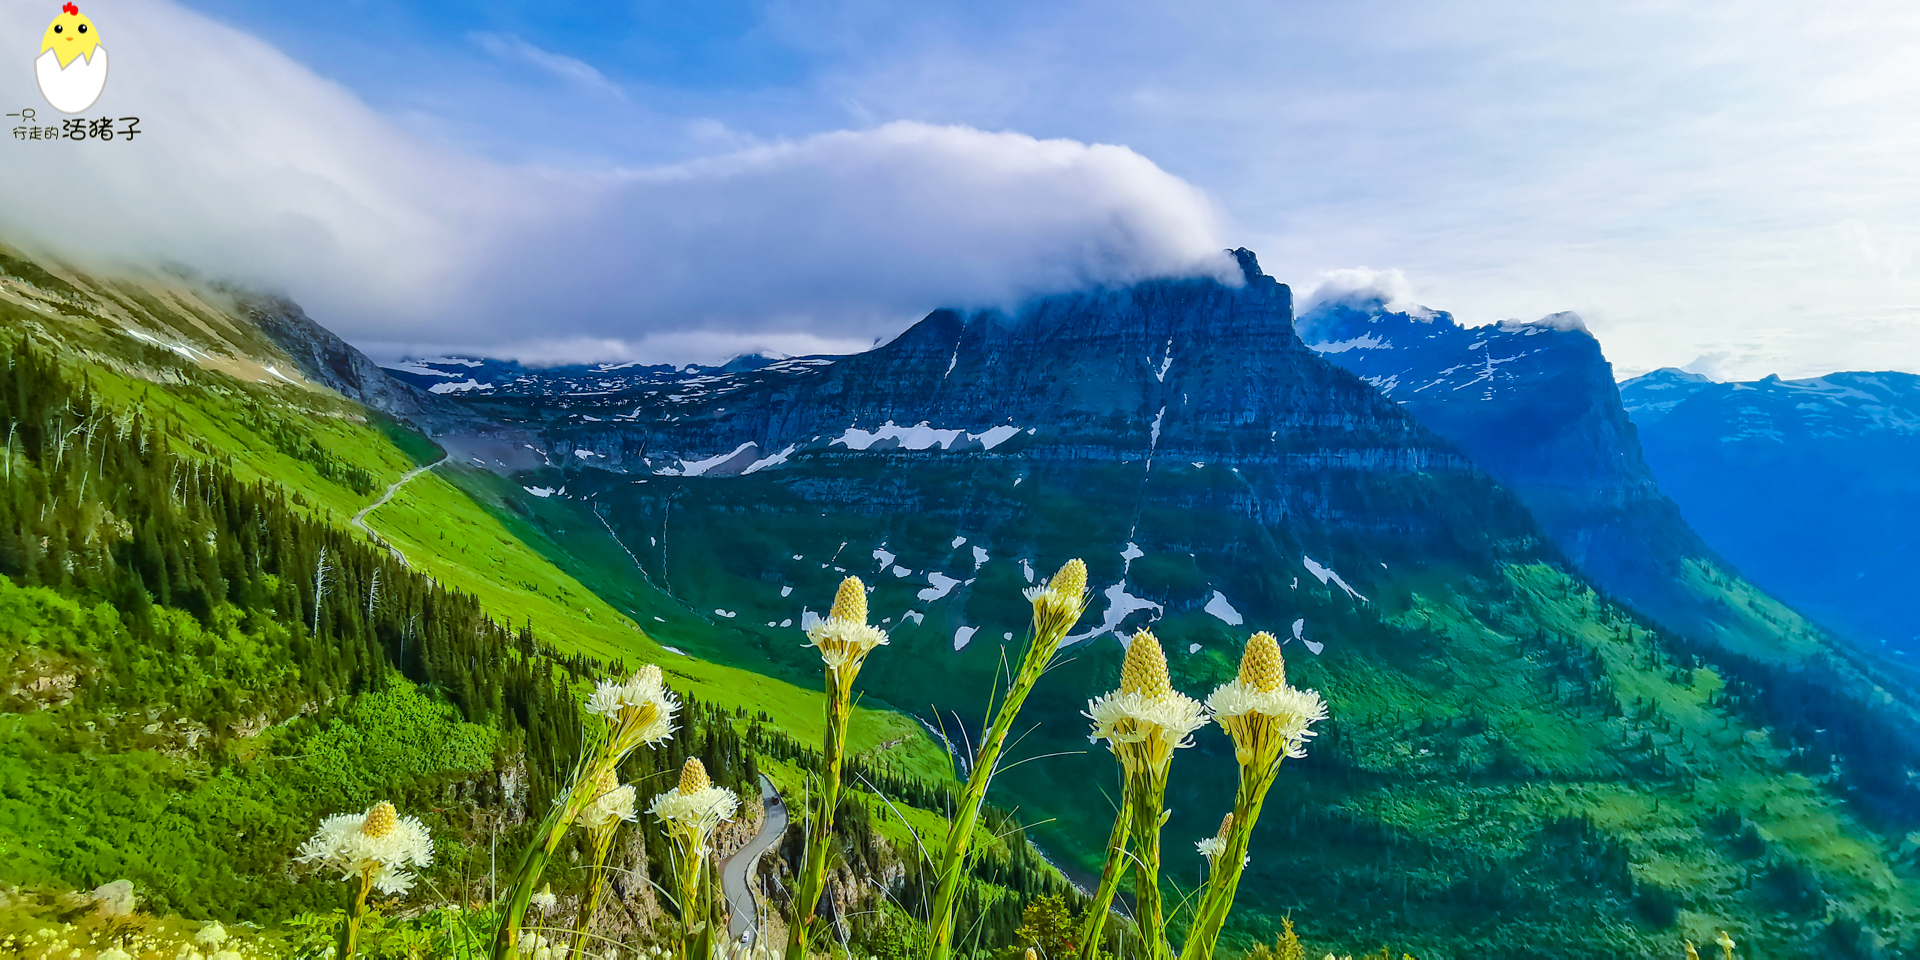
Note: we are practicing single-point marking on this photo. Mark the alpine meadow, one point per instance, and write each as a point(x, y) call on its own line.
point(862, 480)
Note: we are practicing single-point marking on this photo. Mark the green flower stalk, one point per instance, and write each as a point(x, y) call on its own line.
point(1095, 923)
point(1143, 722)
point(1269, 721)
point(612, 805)
point(690, 813)
point(376, 850)
point(1057, 606)
point(631, 714)
point(844, 639)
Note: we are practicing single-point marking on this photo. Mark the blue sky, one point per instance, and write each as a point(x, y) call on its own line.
point(1723, 185)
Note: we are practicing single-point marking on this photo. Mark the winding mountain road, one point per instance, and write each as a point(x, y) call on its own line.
point(737, 870)
point(360, 519)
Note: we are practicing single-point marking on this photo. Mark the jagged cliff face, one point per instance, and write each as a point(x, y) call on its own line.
point(1219, 477)
point(1178, 375)
point(1535, 404)
point(323, 357)
point(1812, 487)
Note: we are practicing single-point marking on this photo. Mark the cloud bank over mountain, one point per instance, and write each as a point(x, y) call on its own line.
point(251, 167)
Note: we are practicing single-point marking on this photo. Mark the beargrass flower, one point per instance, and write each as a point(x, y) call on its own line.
point(1212, 847)
point(638, 710)
point(613, 802)
point(110, 953)
point(1058, 603)
point(1144, 722)
point(379, 845)
point(545, 901)
point(1057, 606)
point(1266, 718)
point(844, 639)
point(537, 947)
point(696, 806)
point(1146, 719)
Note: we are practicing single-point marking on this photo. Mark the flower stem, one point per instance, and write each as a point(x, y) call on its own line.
point(1095, 923)
point(1150, 791)
point(960, 828)
point(596, 885)
point(694, 927)
point(356, 908)
point(1224, 879)
point(533, 860)
point(820, 826)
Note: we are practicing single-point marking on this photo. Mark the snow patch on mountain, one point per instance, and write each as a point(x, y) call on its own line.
point(463, 387)
point(1325, 574)
point(1120, 605)
point(921, 436)
point(1367, 342)
point(1223, 610)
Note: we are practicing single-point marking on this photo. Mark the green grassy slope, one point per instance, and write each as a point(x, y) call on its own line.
point(196, 361)
point(1513, 761)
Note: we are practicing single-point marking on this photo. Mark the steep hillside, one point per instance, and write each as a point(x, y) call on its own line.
point(283, 400)
point(1513, 761)
point(1535, 405)
point(1811, 487)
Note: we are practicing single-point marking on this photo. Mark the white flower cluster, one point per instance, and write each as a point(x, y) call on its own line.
point(537, 947)
point(1292, 711)
point(697, 812)
point(641, 700)
point(544, 901)
point(1121, 717)
point(342, 844)
point(610, 808)
point(1212, 847)
point(842, 642)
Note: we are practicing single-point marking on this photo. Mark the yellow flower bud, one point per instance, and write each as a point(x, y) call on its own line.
point(1261, 666)
point(1071, 581)
point(850, 603)
point(693, 776)
point(1145, 669)
point(381, 818)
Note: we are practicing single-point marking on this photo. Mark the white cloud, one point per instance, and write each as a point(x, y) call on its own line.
point(253, 168)
point(511, 49)
point(1391, 287)
point(1678, 173)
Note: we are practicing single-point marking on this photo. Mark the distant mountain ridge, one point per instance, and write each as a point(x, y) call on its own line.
point(1535, 404)
point(1219, 476)
point(487, 375)
point(1812, 487)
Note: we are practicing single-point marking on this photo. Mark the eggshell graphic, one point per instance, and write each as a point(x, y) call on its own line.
point(76, 86)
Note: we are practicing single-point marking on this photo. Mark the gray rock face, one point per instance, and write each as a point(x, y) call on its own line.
point(1167, 368)
point(1173, 371)
point(325, 358)
point(1535, 404)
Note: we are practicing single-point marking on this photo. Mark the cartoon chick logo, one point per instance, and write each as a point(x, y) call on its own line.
point(73, 65)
